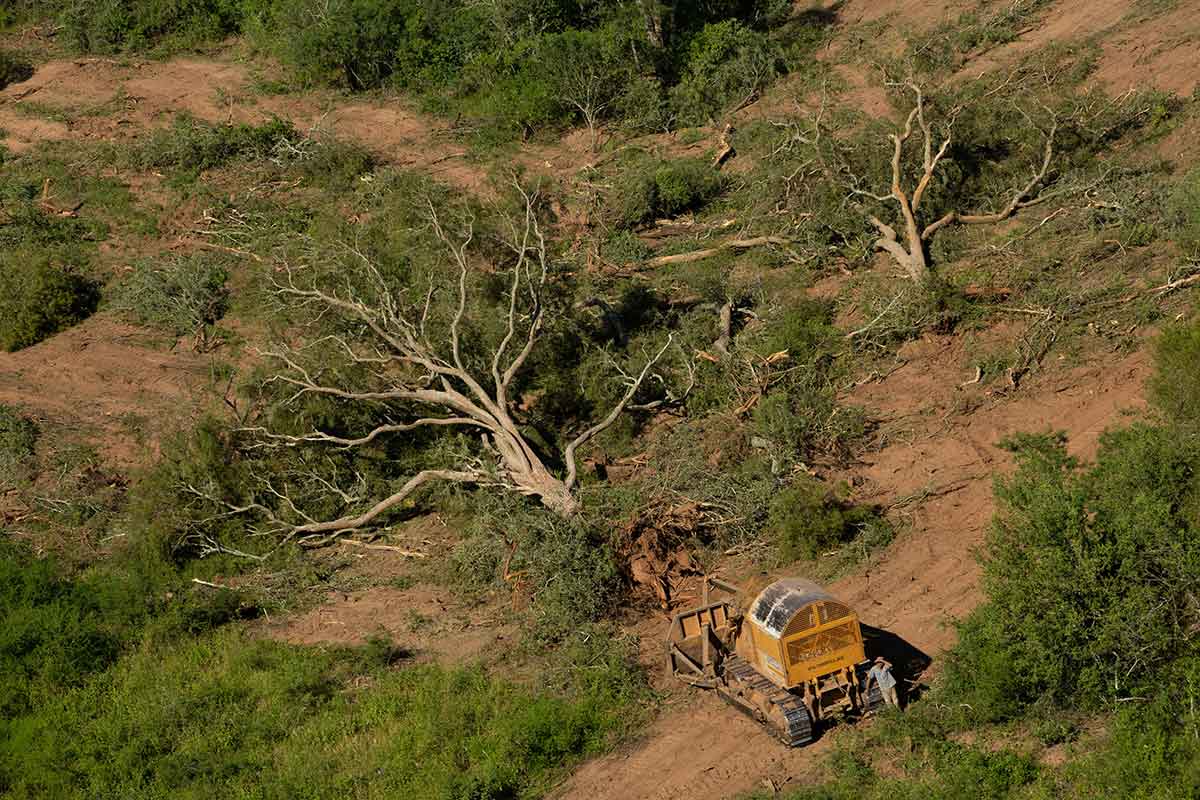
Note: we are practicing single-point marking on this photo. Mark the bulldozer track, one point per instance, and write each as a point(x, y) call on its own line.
point(790, 722)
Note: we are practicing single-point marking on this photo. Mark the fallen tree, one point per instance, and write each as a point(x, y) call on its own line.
point(428, 370)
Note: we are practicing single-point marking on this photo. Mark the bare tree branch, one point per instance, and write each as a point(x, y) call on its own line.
point(422, 380)
point(908, 249)
point(607, 422)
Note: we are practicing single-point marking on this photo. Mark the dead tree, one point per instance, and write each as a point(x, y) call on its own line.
point(425, 381)
point(909, 250)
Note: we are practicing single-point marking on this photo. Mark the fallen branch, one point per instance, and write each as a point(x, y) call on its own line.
point(213, 585)
point(388, 548)
point(733, 244)
point(1171, 286)
point(881, 315)
point(224, 249)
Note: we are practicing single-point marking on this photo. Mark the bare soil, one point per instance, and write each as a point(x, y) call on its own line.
point(112, 383)
point(935, 465)
point(101, 99)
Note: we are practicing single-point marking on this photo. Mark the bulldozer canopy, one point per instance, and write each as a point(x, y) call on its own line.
point(775, 605)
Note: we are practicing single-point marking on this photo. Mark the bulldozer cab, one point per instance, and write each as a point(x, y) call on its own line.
point(799, 632)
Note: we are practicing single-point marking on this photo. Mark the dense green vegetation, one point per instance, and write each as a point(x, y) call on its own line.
point(1090, 576)
point(112, 691)
point(38, 299)
point(512, 67)
point(13, 69)
point(124, 678)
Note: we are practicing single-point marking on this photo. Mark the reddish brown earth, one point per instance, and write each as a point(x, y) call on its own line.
point(934, 467)
point(114, 384)
point(114, 101)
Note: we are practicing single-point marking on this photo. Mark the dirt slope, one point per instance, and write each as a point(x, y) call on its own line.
point(112, 383)
point(106, 100)
point(936, 467)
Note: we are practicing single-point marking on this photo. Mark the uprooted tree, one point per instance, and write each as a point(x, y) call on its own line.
point(909, 248)
point(427, 367)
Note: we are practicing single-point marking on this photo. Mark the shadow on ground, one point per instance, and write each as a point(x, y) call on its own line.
point(908, 662)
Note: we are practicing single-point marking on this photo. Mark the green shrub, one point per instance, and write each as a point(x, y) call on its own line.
point(1087, 574)
point(807, 519)
point(182, 295)
point(191, 145)
point(727, 64)
point(115, 26)
point(1183, 210)
point(354, 42)
point(38, 299)
point(646, 191)
point(800, 413)
point(1175, 385)
point(568, 565)
point(18, 435)
point(13, 69)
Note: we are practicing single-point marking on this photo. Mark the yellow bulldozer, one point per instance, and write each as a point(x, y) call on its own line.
point(794, 659)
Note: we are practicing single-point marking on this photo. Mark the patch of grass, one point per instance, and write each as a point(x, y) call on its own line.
point(1183, 214)
point(1173, 386)
point(183, 295)
point(228, 715)
point(18, 435)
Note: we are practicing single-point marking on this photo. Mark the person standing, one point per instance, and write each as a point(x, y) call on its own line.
point(881, 674)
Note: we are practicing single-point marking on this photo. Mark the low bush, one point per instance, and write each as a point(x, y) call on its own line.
point(1088, 574)
point(13, 69)
point(38, 298)
point(191, 145)
point(808, 519)
point(566, 566)
point(728, 64)
point(182, 295)
point(799, 413)
point(1183, 214)
point(117, 26)
point(648, 190)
